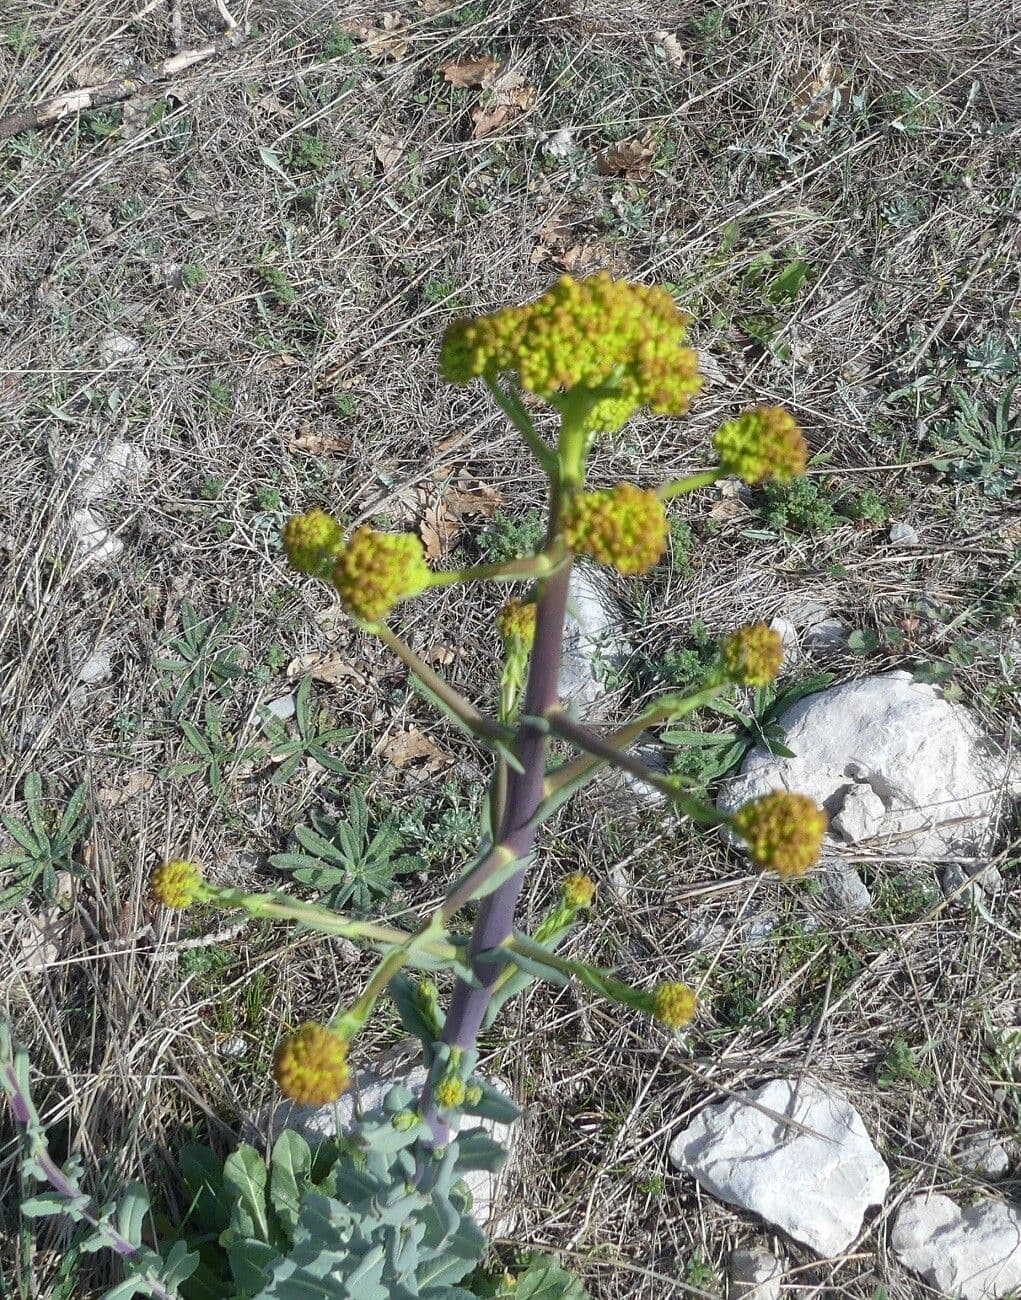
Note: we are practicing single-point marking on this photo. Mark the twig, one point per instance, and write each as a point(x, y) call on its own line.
point(176, 25)
point(71, 102)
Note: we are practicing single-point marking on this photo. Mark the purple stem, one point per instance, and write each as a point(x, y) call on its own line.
point(495, 920)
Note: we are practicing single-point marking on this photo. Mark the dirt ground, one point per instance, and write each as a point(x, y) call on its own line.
point(227, 257)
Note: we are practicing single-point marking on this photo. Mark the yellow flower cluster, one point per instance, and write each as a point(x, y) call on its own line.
point(753, 655)
point(516, 621)
point(311, 540)
point(450, 1092)
point(585, 334)
point(310, 1066)
point(624, 526)
point(674, 1005)
point(762, 444)
point(578, 890)
point(176, 884)
point(783, 831)
point(375, 570)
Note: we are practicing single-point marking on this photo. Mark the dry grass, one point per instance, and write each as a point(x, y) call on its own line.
point(285, 278)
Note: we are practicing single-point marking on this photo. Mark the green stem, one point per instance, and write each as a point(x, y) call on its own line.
point(667, 709)
point(586, 740)
point(514, 409)
point(462, 708)
point(527, 566)
point(278, 907)
point(706, 478)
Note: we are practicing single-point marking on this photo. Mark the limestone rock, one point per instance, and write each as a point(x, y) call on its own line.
point(315, 1123)
point(815, 1186)
point(96, 669)
point(103, 470)
point(755, 1274)
point(95, 543)
point(594, 643)
point(983, 1155)
point(891, 739)
point(843, 889)
point(971, 1254)
point(828, 636)
point(903, 534)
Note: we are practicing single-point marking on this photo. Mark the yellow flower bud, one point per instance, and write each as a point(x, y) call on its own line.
point(450, 1092)
point(753, 655)
point(375, 570)
point(782, 831)
point(311, 540)
point(762, 444)
point(578, 890)
point(310, 1066)
point(176, 884)
point(624, 526)
point(516, 621)
point(585, 334)
point(674, 1004)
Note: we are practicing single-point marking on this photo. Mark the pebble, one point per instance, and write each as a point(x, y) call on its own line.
point(983, 1155)
point(969, 1254)
point(755, 1274)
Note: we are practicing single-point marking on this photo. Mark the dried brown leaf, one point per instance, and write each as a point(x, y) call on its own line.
point(389, 150)
point(317, 442)
point(469, 72)
point(132, 785)
point(414, 748)
point(631, 158)
point(330, 669)
point(669, 49)
point(384, 42)
point(818, 95)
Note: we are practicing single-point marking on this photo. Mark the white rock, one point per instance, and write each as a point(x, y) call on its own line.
point(755, 1274)
point(925, 758)
point(232, 1047)
point(828, 636)
point(560, 143)
point(971, 1254)
point(282, 708)
point(861, 815)
point(97, 668)
point(903, 533)
point(314, 1123)
point(594, 644)
point(983, 1155)
point(956, 878)
point(115, 347)
point(843, 889)
point(96, 544)
point(815, 1186)
point(805, 611)
point(102, 471)
point(788, 634)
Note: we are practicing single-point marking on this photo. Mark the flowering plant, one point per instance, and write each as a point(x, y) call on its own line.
point(392, 1219)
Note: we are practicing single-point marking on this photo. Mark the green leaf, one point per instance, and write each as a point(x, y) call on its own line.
point(244, 1176)
point(545, 1279)
point(290, 1168)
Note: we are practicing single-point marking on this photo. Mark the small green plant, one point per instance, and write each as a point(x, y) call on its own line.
point(905, 1064)
point(44, 844)
point(798, 507)
point(868, 507)
point(709, 755)
point(981, 445)
point(278, 286)
point(507, 536)
point(201, 662)
point(215, 753)
point(311, 151)
point(313, 740)
point(348, 860)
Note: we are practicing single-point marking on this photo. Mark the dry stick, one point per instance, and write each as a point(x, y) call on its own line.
point(71, 102)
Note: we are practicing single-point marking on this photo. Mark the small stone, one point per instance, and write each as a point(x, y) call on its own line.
point(755, 1274)
point(970, 1254)
point(843, 889)
point(232, 1047)
point(96, 544)
point(788, 635)
point(283, 708)
point(983, 1155)
point(102, 471)
point(96, 669)
point(903, 533)
point(814, 1183)
point(956, 877)
point(828, 636)
point(805, 611)
point(560, 144)
point(116, 347)
point(861, 815)
point(595, 647)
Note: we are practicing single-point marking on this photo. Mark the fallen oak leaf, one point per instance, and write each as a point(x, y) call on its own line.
point(413, 747)
point(386, 42)
point(669, 49)
point(631, 158)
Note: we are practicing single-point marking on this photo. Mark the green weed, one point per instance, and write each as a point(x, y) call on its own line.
point(45, 843)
